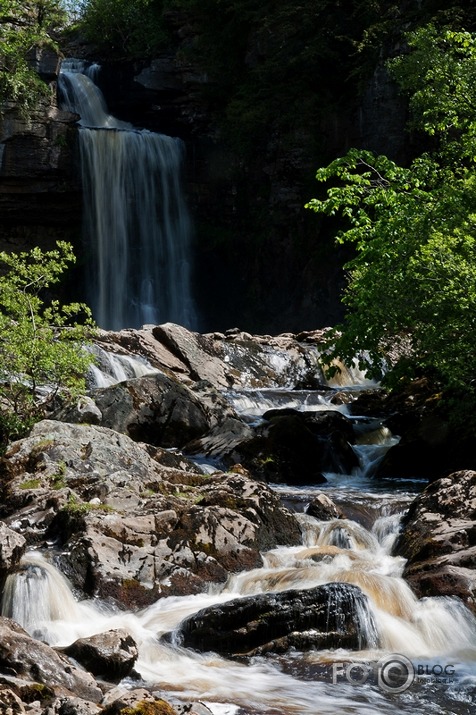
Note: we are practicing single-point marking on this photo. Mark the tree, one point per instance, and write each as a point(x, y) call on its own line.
point(24, 26)
point(42, 346)
point(124, 28)
point(411, 294)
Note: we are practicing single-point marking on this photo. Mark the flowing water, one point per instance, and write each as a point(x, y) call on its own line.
point(431, 641)
point(109, 368)
point(137, 228)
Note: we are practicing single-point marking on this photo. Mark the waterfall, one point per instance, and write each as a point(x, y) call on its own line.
point(136, 227)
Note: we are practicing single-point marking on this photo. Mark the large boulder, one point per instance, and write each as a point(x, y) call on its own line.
point(438, 539)
point(12, 548)
point(131, 527)
point(334, 615)
point(155, 409)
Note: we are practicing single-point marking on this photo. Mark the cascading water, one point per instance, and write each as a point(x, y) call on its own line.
point(428, 630)
point(395, 627)
point(136, 224)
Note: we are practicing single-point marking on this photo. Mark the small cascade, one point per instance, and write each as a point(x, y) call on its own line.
point(110, 368)
point(136, 224)
point(252, 404)
point(38, 594)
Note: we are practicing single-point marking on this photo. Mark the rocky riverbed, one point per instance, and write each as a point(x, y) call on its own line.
point(113, 492)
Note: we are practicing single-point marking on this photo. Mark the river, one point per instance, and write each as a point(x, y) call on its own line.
point(422, 660)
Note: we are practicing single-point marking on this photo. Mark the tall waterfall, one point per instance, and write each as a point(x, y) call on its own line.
point(136, 225)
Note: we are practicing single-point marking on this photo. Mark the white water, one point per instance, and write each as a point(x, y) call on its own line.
point(137, 228)
point(429, 630)
point(432, 632)
point(110, 368)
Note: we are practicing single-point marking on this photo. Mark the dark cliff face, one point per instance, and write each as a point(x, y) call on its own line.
point(40, 193)
point(262, 261)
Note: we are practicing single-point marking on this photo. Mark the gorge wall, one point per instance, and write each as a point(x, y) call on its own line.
point(262, 261)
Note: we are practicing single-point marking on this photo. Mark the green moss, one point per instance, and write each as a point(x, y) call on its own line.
point(73, 506)
point(31, 484)
point(57, 480)
point(159, 707)
point(190, 495)
point(36, 691)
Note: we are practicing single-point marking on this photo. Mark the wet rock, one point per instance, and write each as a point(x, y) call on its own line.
point(429, 447)
point(193, 709)
point(438, 538)
point(109, 655)
point(296, 449)
point(139, 702)
point(331, 616)
point(323, 508)
point(30, 660)
point(223, 442)
point(71, 706)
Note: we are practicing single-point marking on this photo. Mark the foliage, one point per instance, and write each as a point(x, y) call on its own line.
point(24, 26)
point(124, 28)
point(411, 295)
point(42, 346)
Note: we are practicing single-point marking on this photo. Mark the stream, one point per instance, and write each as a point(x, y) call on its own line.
point(422, 660)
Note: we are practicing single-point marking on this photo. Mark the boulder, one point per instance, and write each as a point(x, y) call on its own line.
point(297, 448)
point(194, 350)
point(438, 539)
point(33, 661)
point(321, 507)
point(155, 409)
point(139, 702)
point(69, 706)
point(334, 615)
point(212, 530)
point(109, 655)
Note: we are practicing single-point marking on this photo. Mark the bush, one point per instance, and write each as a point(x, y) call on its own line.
point(42, 346)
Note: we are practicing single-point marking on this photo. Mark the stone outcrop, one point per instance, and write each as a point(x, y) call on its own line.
point(438, 538)
point(132, 528)
point(182, 404)
point(289, 446)
point(328, 616)
point(225, 360)
point(154, 409)
point(321, 507)
point(36, 679)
